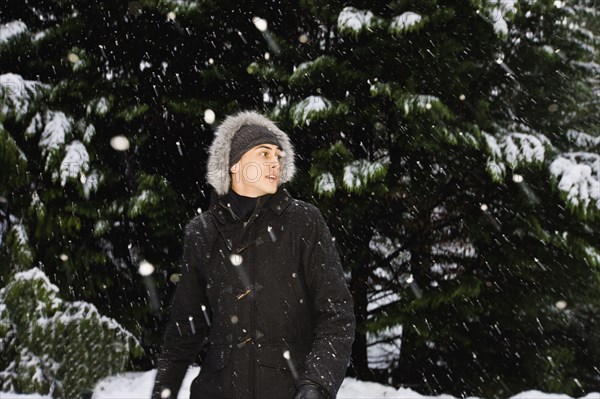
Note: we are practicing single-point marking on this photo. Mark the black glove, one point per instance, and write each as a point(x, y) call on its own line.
point(310, 390)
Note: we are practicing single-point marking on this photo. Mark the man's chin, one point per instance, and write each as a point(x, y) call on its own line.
point(271, 190)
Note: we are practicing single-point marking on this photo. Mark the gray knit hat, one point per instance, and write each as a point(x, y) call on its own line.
point(218, 165)
point(248, 137)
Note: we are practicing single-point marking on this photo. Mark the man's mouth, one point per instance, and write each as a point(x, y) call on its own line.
point(272, 178)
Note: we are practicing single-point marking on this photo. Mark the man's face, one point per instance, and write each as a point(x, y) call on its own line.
point(250, 176)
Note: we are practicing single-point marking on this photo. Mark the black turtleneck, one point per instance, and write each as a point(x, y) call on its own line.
point(241, 205)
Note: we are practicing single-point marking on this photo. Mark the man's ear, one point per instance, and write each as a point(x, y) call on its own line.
point(235, 167)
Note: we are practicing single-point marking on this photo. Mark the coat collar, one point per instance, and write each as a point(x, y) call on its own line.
point(277, 202)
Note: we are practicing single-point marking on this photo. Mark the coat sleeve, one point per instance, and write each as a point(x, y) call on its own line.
point(187, 328)
point(332, 304)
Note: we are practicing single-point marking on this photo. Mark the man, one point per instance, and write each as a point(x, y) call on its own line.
point(262, 293)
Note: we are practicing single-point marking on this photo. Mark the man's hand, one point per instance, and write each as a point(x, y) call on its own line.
point(310, 390)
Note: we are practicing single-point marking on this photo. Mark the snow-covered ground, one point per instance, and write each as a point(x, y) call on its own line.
point(137, 385)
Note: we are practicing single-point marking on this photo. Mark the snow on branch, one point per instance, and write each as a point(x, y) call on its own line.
point(425, 103)
point(10, 30)
point(581, 139)
point(74, 164)
point(523, 148)
point(325, 184)
point(498, 12)
point(514, 148)
point(352, 20)
point(405, 22)
point(360, 172)
point(57, 127)
point(313, 108)
point(578, 178)
point(99, 106)
point(307, 68)
point(22, 252)
point(17, 95)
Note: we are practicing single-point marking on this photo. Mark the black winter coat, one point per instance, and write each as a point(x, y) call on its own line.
point(270, 288)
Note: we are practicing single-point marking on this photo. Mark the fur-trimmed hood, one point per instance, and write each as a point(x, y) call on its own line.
point(217, 168)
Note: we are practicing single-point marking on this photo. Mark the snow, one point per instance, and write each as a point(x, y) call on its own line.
point(538, 394)
point(325, 183)
point(419, 102)
point(500, 25)
point(37, 204)
point(182, 5)
point(34, 125)
point(144, 64)
point(39, 35)
point(593, 256)
point(98, 106)
point(517, 147)
point(591, 66)
point(354, 20)
point(304, 68)
point(10, 30)
point(523, 148)
point(135, 385)
point(405, 21)
point(578, 175)
point(548, 49)
point(20, 234)
point(90, 183)
point(58, 125)
point(36, 274)
point(358, 173)
point(309, 108)
point(498, 14)
point(89, 133)
point(582, 139)
point(138, 203)
point(18, 94)
point(76, 161)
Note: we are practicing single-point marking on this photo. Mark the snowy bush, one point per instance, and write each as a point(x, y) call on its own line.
point(53, 347)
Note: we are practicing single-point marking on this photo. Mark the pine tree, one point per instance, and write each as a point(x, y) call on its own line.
point(457, 156)
point(53, 347)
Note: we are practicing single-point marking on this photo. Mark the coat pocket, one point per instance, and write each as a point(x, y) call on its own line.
point(275, 374)
point(214, 379)
point(216, 359)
